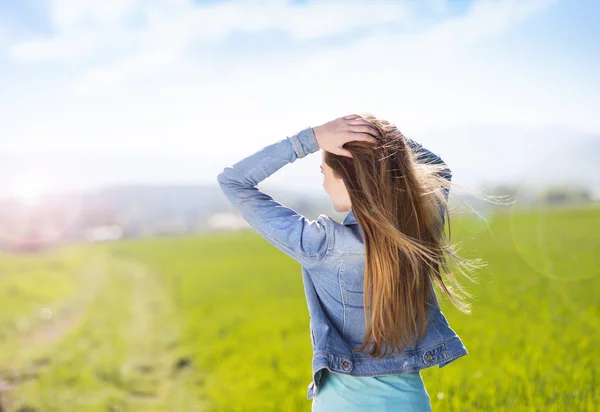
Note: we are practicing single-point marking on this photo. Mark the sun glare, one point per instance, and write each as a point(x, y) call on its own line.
point(27, 190)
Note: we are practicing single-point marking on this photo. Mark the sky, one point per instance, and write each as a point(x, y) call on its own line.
point(133, 91)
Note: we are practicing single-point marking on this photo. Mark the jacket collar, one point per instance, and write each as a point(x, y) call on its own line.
point(350, 219)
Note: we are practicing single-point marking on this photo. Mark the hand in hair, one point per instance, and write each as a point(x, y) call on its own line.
point(331, 136)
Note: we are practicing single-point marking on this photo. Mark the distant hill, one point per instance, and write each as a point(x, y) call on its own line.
point(486, 159)
point(481, 156)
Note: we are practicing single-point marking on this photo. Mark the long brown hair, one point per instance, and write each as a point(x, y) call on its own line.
point(397, 202)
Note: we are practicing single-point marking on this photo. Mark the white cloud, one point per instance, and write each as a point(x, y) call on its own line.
point(67, 14)
point(485, 19)
point(84, 28)
point(154, 94)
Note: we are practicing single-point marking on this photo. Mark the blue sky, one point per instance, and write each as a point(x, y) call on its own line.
point(174, 90)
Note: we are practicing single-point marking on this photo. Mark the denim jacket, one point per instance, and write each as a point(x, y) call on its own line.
point(332, 258)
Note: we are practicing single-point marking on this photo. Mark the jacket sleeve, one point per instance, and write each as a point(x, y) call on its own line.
point(307, 241)
point(426, 156)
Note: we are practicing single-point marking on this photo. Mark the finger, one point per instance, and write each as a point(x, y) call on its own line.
point(365, 129)
point(365, 138)
point(352, 116)
point(362, 122)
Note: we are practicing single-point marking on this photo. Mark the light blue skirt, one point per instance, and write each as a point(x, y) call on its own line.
point(346, 393)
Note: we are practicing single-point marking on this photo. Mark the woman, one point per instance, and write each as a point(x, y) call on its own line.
point(375, 320)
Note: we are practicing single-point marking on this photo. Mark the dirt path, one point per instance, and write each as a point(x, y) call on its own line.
point(154, 373)
point(155, 367)
point(37, 344)
point(93, 276)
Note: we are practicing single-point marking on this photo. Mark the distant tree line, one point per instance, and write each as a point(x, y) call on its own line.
point(564, 195)
point(551, 195)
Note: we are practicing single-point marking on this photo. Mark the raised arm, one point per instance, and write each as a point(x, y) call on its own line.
point(307, 241)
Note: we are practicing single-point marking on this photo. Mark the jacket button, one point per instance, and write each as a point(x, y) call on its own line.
point(430, 358)
point(345, 364)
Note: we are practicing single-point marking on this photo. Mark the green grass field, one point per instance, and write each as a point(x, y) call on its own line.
point(220, 323)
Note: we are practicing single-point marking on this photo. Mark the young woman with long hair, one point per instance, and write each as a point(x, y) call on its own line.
point(375, 320)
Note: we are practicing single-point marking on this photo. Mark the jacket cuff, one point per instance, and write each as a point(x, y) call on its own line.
point(304, 142)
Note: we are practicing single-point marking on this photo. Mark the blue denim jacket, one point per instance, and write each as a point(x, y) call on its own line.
point(333, 261)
